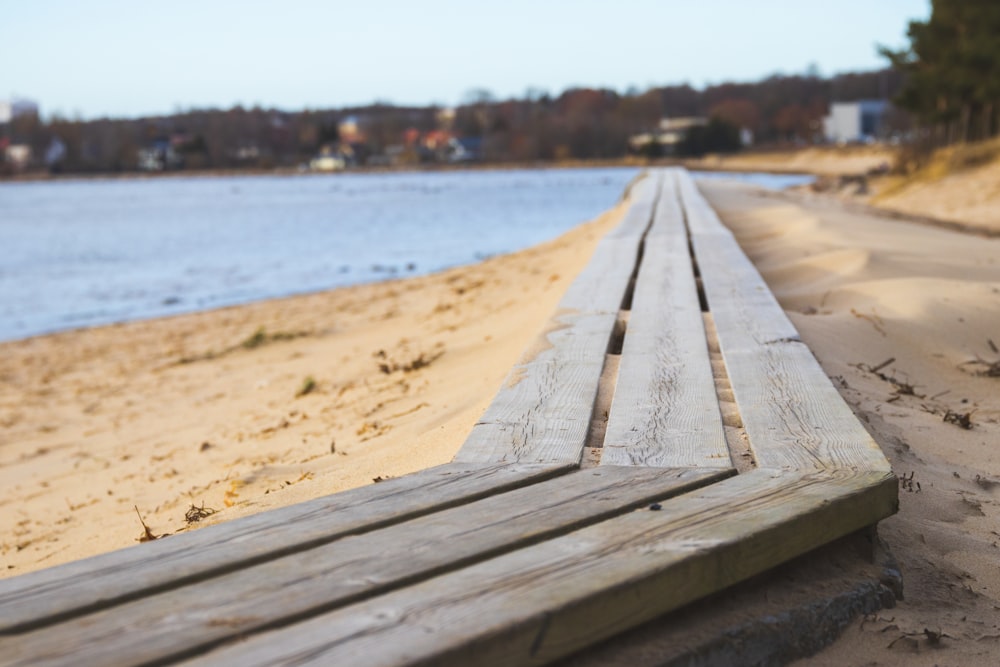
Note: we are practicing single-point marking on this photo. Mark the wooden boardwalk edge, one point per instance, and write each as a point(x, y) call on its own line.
point(64, 591)
point(544, 602)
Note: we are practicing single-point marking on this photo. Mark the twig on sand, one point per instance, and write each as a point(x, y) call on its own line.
point(902, 388)
point(147, 535)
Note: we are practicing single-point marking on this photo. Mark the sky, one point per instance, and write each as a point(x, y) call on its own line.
point(122, 58)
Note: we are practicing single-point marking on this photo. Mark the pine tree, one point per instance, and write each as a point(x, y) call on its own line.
point(953, 69)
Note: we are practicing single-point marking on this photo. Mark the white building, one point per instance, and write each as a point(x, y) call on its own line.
point(11, 109)
point(850, 122)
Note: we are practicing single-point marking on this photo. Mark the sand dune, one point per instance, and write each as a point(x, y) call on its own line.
point(960, 184)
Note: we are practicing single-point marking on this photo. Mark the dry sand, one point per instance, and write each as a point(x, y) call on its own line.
point(969, 197)
point(168, 414)
point(959, 184)
point(821, 160)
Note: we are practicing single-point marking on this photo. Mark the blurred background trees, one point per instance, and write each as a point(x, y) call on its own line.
point(952, 71)
point(577, 124)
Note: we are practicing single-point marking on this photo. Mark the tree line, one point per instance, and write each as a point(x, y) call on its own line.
point(577, 124)
point(952, 71)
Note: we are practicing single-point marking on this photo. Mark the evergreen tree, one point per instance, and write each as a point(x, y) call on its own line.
point(953, 69)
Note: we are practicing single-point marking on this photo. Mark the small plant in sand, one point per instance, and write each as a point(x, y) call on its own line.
point(308, 386)
point(256, 339)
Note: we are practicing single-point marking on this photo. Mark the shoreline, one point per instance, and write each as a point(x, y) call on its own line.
point(767, 161)
point(295, 171)
point(251, 407)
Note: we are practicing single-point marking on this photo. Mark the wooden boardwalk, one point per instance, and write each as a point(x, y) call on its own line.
point(668, 436)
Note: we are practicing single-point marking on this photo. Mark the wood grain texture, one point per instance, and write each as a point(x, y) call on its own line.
point(542, 412)
point(160, 627)
point(792, 414)
point(665, 410)
point(97, 582)
point(540, 603)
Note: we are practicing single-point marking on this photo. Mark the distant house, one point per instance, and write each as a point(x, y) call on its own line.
point(17, 155)
point(159, 156)
point(350, 132)
point(665, 139)
point(332, 157)
point(852, 122)
point(465, 149)
point(11, 109)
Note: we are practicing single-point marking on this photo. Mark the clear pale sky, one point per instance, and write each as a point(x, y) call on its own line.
point(126, 58)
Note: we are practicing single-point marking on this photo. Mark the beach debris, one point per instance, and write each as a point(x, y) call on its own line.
point(257, 339)
point(989, 369)
point(205, 446)
point(147, 535)
point(262, 337)
point(232, 493)
point(985, 367)
point(907, 483)
point(422, 360)
point(655, 507)
point(303, 476)
point(380, 478)
point(196, 514)
point(986, 482)
point(964, 420)
point(901, 387)
point(912, 639)
point(308, 386)
point(333, 446)
point(875, 320)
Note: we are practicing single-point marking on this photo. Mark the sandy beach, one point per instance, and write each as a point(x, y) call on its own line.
point(206, 417)
point(250, 408)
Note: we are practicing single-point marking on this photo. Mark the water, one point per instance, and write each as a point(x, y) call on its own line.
point(770, 181)
point(84, 253)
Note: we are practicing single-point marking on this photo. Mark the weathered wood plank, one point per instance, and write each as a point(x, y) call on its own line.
point(665, 410)
point(600, 287)
point(180, 621)
point(97, 582)
point(792, 414)
point(539, 603)
point(542, 412)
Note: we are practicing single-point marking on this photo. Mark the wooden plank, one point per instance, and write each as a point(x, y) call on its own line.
point(792, 414)
point(542, 412)
point(159, 627)
point(74, 588)
point(665, 410)
point(643, 194)
point(543, 602)
point(600, 287)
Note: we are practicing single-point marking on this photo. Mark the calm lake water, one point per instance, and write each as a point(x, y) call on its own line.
point(83, 253)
